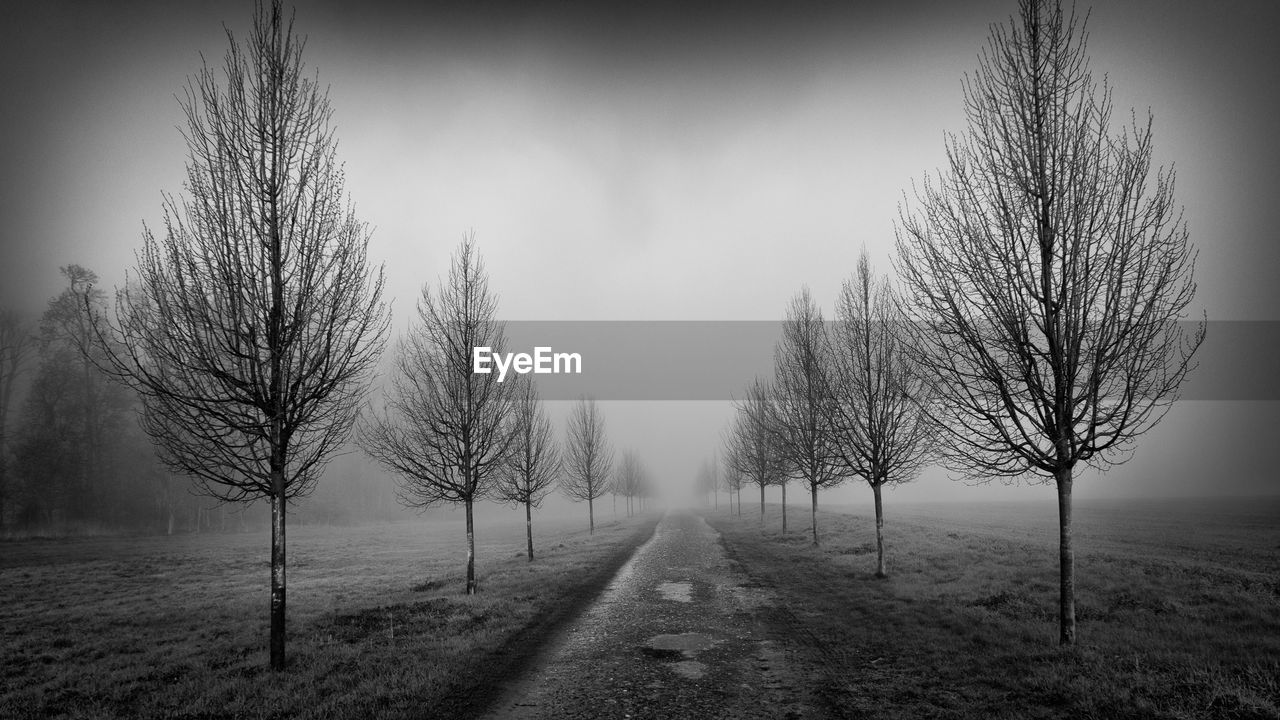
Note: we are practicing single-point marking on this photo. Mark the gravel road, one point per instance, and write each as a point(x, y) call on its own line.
point(680, 632)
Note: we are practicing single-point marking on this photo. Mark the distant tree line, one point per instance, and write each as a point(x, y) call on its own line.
point(73, 458)
point(846, 401)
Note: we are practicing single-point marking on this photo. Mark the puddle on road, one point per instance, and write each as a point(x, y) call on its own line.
point(676, 591)
point(689, 642)
point(661, 653)
point(680, 650)
point(691, 669)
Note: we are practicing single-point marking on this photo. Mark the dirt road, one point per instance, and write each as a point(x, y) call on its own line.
point(679, 633)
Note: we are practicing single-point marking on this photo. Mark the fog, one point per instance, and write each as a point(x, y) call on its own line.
point(659, 164)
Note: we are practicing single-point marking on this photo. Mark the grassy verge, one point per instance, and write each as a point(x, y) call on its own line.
point(378, 627)
point(1179, 617)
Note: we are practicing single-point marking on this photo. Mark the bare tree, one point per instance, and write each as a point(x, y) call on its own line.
point(733, 481)
point(16, 345)
point(713, 482)
point(588, 457)
point(882, 433)
point(639, 483)
point(535, 456)
point(752, 444)
point(253, 324)
point(1046, 274)
point(630, 479)
point(446, 430)
point(92, 403)
point(645, 489)
point(802, 399)
point(707, 481)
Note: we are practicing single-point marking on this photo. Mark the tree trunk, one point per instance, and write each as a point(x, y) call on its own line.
point(277, 573)
point(875, 490)
point(1066, 561)
point(4, 461)
point(591, 517)
point(85, 499)
point(3, 476)
point(471, 552)
point(528, 526)
point(813, 511)
point(784, 508)
point(170, 532)
point(762, 505)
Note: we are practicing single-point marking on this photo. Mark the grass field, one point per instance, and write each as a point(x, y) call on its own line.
point(177, 626)
point(1178, 604)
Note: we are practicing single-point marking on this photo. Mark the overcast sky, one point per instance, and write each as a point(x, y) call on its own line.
point(646, 161)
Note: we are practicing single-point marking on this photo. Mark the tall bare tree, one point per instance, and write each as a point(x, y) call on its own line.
point(588, 457)
point(802, 401)
point(253, 323)
point(881, 431)
point(1046, 273)
point(445, 430)
point(16, 345)
point(535, 456)
point(752, 444)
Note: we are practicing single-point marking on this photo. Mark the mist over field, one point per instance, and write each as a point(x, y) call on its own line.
point(647, 164)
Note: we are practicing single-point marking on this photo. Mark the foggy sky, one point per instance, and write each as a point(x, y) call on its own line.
point(646, 161)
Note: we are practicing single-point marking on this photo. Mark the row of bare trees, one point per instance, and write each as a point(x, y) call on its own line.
point(251, 327)
point(456, 436)
point(1041, 277)
point(846, 401)
point(1043, 280)
point(633, 482)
